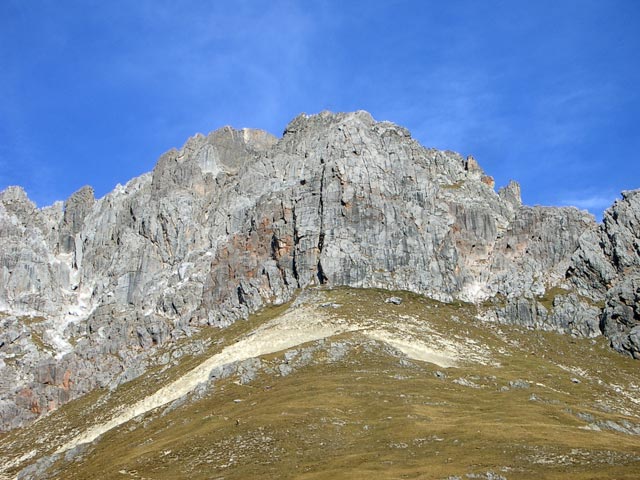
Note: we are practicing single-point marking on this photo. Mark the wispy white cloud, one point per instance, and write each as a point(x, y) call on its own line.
point(248, 60)
point(452, 106)
point(20, 159)
point(168, 71)
point(592, 202)
point(532, 103)
point(596, 203)
point(566, 115)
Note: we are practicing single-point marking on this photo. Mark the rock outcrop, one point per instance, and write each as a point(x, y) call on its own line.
point(616, 267)
point(239, 219)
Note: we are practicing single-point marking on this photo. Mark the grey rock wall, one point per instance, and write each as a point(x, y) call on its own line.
point(620, 242)
point(239, 219)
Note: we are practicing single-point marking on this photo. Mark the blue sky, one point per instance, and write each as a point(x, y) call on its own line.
point(544, 92)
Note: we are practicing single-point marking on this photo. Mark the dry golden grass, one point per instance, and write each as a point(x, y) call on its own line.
point(373, 415)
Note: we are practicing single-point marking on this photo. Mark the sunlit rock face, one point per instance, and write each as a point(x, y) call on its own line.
point(239, 219)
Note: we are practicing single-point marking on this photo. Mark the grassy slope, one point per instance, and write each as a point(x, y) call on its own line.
point(372, 415)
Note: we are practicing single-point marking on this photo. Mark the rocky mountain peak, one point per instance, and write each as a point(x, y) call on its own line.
point(327, 119)
point(15, 201)
point(76, 209)
point(237, 219)
point(511, 194)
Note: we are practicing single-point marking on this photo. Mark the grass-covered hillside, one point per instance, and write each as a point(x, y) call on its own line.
point(362, 389)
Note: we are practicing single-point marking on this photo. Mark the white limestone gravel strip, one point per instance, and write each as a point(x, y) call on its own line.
point(414, 349)
point(293, 328)
point(14, 463)
point(297, 326)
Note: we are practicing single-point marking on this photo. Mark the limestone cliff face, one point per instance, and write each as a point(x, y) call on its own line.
point(607, 266)
point(239, 219)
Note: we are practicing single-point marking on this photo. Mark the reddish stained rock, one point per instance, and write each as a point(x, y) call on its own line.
point(488, 180)
point(66, 381)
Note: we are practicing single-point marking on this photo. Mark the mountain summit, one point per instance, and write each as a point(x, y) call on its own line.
point(91, 290)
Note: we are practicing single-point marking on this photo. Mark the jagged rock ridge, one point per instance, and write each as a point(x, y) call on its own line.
point(239, 219)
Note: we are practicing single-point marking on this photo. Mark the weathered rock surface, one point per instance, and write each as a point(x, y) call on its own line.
point(607, 267)
point(239, 219)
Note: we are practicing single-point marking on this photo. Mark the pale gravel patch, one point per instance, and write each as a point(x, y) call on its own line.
point(293, 328)
point(627, 393)
point(15, 462)
point(416, 350)
point(420, 338)
point(301, 325)
point(619, 389)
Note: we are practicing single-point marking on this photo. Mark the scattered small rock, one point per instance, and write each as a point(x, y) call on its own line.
point(400, 445)
point(285, 369)
point(519, 384)
point(394, 300)
point(330, 305)
point(486, 476)
point(466, 383)
point(587, 417)
point(337, 350)
point(290, 355)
